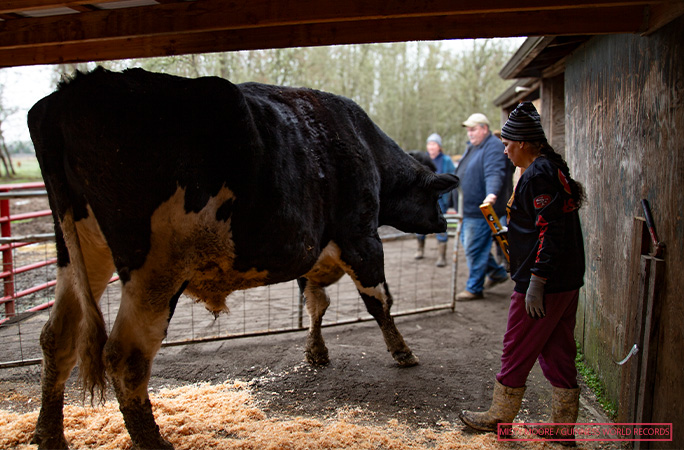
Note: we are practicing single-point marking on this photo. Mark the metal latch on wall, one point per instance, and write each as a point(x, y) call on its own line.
point(632, 352)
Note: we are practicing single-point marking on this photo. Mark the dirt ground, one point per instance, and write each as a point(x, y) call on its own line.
point(459, 356)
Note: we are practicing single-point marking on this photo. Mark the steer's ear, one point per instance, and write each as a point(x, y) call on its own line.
point(445, 182)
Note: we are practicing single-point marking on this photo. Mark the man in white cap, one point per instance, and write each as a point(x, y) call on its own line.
point(443, 164)
point(483, 174)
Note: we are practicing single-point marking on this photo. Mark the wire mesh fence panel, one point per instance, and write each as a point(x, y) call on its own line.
point(415, 286)
point(20, 333)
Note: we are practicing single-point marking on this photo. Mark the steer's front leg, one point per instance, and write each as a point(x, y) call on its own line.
point(365, 264)
point(135, 339)
point(378, 302)
point(129, 370)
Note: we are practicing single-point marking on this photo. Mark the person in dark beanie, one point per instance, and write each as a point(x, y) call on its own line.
point(547, 264)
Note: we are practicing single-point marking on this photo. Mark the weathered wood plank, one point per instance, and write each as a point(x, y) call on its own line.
point(633, 310)
point(650, 342)
point(624, 132)
point(553, 111)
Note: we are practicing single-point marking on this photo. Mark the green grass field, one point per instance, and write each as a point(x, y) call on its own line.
point(27, 170)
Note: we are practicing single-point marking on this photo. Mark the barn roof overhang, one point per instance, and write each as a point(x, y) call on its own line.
point(53, 31)
point(537, 58)
point(544, 56)
point(521, 89)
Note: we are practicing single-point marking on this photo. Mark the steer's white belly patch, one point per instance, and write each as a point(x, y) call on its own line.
point(199, 248)
point(331, 257)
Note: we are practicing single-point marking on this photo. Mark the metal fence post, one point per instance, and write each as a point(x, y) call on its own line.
point(458, 219)
point(7, 264)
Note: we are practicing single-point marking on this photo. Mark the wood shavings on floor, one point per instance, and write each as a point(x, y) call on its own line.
point(226, 416)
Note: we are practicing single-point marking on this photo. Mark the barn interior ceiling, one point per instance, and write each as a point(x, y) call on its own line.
point(51, 31)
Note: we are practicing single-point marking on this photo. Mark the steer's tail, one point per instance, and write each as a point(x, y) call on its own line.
point(92, 333)
point(73, 287)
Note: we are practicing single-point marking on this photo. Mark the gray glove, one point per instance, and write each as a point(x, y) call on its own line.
point(534, 299)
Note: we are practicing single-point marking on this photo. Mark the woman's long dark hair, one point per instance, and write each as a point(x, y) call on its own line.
point(576, 189)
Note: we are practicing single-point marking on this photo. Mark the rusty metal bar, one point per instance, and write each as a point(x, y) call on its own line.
point(7, 263)
point(5, 217)
point(26, 292)
point(9, 243)
point(29, 267)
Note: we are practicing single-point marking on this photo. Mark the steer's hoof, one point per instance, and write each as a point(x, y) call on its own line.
point(318, 358)
point(55, 442)
point(405, 359)
point(156, 443)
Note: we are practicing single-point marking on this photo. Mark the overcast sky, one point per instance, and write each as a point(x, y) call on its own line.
point(23, 87)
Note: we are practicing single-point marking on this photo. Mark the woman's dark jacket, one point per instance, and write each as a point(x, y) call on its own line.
point(544, 233)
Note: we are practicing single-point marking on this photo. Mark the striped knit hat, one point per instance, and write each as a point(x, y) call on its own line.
point(523, 124)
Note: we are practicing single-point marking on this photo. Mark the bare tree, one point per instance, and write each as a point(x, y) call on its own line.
point(5, 156)
point(475, 82)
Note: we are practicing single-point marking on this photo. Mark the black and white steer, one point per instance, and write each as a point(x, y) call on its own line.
point(206, 187)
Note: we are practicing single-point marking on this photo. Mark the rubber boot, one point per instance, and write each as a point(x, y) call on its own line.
point(505, 406)
point(441, 254)
point(420, 252)
point(564, 409)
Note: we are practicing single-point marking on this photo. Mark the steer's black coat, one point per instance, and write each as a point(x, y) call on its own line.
point(306, 166)
point(206, 186)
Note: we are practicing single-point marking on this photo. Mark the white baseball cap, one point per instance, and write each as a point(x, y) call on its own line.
point(476, 119)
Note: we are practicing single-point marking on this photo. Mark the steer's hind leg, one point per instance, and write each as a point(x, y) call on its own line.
point(58, 341)
point(325, 272)
point(138, 331)
point(61, 337)
point(365, 264)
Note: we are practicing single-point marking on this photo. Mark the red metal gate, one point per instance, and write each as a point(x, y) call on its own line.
point(9, 243)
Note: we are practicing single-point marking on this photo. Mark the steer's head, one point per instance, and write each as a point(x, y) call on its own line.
point(411, 203)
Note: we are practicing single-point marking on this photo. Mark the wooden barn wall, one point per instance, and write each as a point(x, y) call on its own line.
point(625, 141)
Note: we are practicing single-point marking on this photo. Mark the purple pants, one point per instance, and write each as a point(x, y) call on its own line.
point(551, 340)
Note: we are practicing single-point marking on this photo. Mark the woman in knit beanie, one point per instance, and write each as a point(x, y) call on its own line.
point(547, 264)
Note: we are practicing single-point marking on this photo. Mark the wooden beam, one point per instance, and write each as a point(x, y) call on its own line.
point(599, 21)
point(661, 14)
point(555, 69)
point(519, 91)
point(84, 8)
point(10, 16)
point(456, 5)
point(34, 5)
point(215, 15)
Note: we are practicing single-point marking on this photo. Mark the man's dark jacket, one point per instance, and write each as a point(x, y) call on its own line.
point(483, 170)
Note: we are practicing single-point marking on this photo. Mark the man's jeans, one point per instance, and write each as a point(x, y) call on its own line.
point(476, 237)
point(441, 237)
